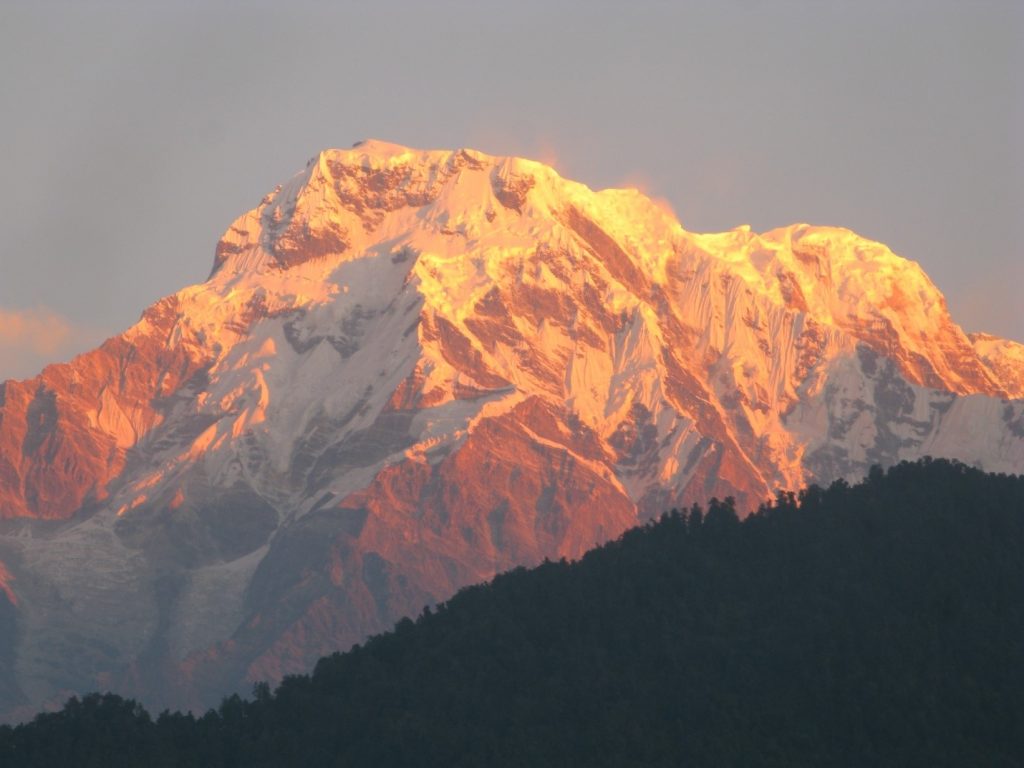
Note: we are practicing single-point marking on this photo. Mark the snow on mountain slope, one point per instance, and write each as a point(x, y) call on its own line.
point(411, 369)
point(1004, 360)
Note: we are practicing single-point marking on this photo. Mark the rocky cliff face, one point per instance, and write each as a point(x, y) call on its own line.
point(410, 370)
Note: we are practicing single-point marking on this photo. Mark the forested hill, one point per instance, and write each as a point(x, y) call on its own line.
point(880, 624)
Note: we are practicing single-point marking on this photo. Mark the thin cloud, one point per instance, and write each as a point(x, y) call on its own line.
point(32, 338)
point(644, 184)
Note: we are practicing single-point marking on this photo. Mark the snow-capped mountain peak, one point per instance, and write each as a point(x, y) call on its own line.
point(411, 369)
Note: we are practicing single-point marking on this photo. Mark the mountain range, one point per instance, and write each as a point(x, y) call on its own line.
point(411, 370)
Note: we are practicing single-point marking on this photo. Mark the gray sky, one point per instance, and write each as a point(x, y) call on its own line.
point(132, 134)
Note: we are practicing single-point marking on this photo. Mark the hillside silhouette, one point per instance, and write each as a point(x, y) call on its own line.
point(878, 624)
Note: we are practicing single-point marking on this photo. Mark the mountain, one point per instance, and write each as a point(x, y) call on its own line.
point(877, 624)
point(410, 370)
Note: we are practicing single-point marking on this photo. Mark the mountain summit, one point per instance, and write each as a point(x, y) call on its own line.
point(409, 370)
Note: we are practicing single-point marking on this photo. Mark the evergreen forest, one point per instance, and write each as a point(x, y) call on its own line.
point(879, 624)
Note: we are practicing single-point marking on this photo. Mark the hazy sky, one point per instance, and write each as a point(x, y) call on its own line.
point(132, 134)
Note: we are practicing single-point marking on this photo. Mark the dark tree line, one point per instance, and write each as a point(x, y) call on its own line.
point(880, 624)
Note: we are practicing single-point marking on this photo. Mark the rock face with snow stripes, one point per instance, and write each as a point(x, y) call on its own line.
point(410, 370)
